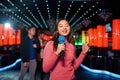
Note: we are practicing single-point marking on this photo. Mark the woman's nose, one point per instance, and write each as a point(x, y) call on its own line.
point(64, 27)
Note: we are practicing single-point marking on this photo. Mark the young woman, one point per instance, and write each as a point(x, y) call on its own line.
point(41, 43)
point(52, 61)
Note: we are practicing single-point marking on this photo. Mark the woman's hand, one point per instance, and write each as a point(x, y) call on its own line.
point(60, 48)
point(85, 48)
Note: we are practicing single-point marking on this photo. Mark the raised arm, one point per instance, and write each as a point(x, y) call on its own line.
point(81, 57)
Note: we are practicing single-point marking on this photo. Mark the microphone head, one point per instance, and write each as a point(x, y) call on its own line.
point(61, 40)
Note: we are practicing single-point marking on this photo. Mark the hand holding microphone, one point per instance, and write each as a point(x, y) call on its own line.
point(61, 46)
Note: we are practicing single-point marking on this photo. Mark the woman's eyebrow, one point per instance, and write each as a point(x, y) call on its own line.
point(60, 24)
point(66, 23)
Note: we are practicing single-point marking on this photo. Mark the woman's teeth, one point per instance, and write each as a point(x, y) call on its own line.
point(64, 31)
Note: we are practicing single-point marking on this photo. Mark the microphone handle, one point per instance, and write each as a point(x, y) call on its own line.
point(62, 55)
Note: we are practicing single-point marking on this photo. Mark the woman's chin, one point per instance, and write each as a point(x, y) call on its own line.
point(65, 34)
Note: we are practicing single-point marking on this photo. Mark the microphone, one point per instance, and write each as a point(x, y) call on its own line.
point(61, 40)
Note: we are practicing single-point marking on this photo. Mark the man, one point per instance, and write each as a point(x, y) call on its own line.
point(28, 54)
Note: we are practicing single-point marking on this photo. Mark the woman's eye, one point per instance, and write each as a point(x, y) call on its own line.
point(67, 25)
point(60, 26)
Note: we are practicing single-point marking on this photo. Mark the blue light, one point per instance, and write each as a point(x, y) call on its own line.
point(10, 66)
point(100, 71)
point(83, 66)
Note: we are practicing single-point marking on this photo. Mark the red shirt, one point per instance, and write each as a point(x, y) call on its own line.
point(52, 62)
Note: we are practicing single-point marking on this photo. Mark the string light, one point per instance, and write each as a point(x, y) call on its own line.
point(93, 6)
point(19, 11)
point(68, 10)
point(48, 9)
point(13, 13)
point(76, 13)
point(22, 14)
point(32, 16)
point(58, 9)
point(40, 15)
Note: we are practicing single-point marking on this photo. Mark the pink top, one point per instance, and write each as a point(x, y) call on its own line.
point(52, 62)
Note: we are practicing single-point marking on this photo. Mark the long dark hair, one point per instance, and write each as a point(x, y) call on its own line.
point(56, 35)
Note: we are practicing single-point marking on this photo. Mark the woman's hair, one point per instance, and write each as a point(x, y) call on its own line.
point(56, 35)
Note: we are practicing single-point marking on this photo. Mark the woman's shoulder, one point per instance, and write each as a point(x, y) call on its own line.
point(71, 46)
point(49, 42)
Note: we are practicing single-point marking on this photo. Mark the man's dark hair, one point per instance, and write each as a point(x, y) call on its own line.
point(31, 27)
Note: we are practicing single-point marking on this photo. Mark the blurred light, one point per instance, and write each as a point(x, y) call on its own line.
point(48, 11)
point(72, 1)
point(19, 10)
point(10, 66)
point(83, 66)
point(100, 9)
point(3, 37)
point(26, 7)
point(89, 9)
point(23, 4)
point(59, 1)
point(16, 7)
point(35, 4)
point(46, 1)
point(21, 1)
point(86, 11)
point(100, 71)
point(81, 5)
point(34, 1)
point(28, 10)
point(97, 2)
point(9, 10)
point(68, 10)
point(7, 25)
point(37, 8)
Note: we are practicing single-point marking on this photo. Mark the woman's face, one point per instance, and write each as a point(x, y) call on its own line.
point(40, 36)
point(63, 28)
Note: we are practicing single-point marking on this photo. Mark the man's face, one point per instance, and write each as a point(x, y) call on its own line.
point(32, 31)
